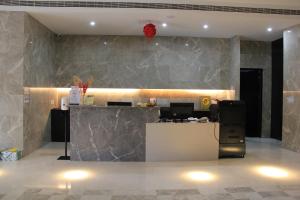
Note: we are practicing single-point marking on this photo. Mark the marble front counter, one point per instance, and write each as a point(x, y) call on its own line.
point(109, 133)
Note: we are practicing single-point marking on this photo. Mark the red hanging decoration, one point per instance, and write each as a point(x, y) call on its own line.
point(149, 31)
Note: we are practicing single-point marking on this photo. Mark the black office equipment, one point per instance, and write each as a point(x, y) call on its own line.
point(165, 113)
point(62, 119)
point(181, 110)
point(232, 119)
point(58, 125)
point(116, 103)
point(214, 112)
point(200, 113)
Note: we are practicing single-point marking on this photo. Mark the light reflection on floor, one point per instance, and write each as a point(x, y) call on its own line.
point(66, 186)
point(274, 172)
point(199, 176)
point(75, 175)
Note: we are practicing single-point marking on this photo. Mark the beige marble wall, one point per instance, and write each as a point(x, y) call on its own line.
point(135, 62)
point(39, 71)
point(234, 71)
point(258, 55)
point(291, 87)
point(37, 121)
point(11, 79)
point(26, 59)
point(39, 54)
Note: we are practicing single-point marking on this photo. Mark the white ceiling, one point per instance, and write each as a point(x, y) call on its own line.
point(124, 21)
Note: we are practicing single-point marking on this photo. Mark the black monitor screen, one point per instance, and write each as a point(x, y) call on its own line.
point(114, 103)
point(181, 110)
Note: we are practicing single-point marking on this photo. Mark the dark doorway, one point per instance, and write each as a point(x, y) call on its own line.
point(277, 88)
point(251, 93)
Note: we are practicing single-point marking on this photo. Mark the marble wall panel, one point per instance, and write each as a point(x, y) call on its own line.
point(11, 52)
point(290, 122)
point(37, 121)
point(258, 55)
point(39, 54)
point(11, 79)
point(11, 129)
point(135, 62)
point(291, 87)
point(234, 71)
point(39, 71)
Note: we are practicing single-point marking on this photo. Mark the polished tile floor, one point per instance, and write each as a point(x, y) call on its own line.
point(267, 172)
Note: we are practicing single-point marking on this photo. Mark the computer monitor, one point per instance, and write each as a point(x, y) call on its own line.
point(116, 103)
point(181, 110)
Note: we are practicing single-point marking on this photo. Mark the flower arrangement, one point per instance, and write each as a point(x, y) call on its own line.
point(83, 85)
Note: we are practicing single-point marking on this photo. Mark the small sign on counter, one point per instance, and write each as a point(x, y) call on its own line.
point(75, 94)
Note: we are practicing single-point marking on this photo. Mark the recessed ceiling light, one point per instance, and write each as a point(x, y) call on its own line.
point(92, 23)
point(270, 29)
point(205, 26)
point(164, 24)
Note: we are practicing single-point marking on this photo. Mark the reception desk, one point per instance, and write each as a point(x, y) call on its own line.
point(109, 133)
point(182, 141)
point(134, 134)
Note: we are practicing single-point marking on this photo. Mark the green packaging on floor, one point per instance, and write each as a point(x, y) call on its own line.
point(12, 154)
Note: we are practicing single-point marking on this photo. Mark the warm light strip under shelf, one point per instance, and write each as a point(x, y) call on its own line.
point(147, 93)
